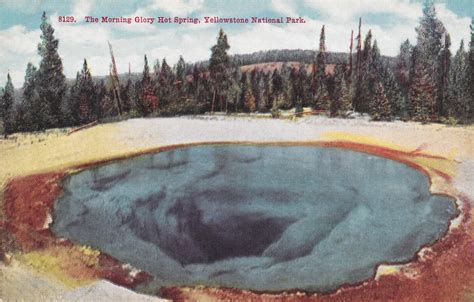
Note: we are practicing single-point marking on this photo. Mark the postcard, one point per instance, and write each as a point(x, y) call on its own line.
point(203, 150)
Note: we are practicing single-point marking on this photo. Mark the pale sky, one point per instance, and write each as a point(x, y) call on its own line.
point(391, 21)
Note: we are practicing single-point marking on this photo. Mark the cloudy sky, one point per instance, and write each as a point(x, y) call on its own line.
point(391, 21)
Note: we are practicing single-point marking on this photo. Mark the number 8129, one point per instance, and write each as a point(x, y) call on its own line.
point(66, 19)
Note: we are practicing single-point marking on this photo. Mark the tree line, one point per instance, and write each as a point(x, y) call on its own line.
point(425, 82)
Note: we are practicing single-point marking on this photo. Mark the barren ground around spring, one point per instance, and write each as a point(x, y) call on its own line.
point(26, 154)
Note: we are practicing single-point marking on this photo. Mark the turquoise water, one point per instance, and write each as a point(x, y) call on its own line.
point(265, 218)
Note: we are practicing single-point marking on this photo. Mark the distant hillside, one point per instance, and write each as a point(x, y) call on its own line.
point(271, 66)
point(290, 55)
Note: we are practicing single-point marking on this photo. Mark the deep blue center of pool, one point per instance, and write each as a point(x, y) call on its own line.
point(262, 217)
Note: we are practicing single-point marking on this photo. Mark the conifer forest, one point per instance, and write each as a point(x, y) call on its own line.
point(428, 82)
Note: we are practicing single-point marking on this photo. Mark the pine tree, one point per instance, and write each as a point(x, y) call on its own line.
point(342, 100)
point(367, 74)
point(219, 67)
point(443, 83)
point(277, 84)
point(234, 91)
point(79, 104)
point(148, 99)
point(88, 109)
point(180, 69)
point(250, 103)
point(166, 90)
point(380, 108)
point(393, 91)
point(306, 95)
point(256, 86)
point(6, 107)
point(358, 50)
point(204, 91)
point(70, 105)
point(196, 77)
point(261, 104)
point(295, 91)
point(458, 95)
point(99, 95)
point(338, 93)
point(422, 95)
point(181, 77)
point(346, 98)
point(51, 80)
point(124, 95)
point(244, 83)
point(320, 89)
point(156, 69)
point(429, 62)
point(267, 90)
point(285, 98)
point(25, 118)
point(349, 70)
point(402, 75)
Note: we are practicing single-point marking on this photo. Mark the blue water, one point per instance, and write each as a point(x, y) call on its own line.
point(264, 218)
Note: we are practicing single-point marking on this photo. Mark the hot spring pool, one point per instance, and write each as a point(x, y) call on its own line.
point(260, 217)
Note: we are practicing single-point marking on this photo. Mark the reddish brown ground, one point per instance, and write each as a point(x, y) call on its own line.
point(27, 202)
point(446, 274)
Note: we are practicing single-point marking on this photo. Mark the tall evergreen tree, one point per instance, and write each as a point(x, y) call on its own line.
point(79, 104)
point(219, 67)
point(25, 119)
point(156, 69)
point(124, 95)
point(148, 99)
point(234, 91)
point(443, 82)
point(293, 95)
point(250, 104)
point(356, 76)
point(380, 108)
point(320, 92)
point(88, 109)
point(277, 93)
point(180, 69)
point(51, 80)
point(101, 93)
point(267, 90)
point(359, 47)
point(422, 94)
point(244, 82)
point(402, 75)
point(6, 107)
point(181, 78)
point(255, 83)
point(349, 70)
point(428, 62)
point(393, 92)
point(70, 105)
point(306, 95)
point(342, 100)
point(458, 96)
point(346, 97)
point(367, 74)
point(166, 90)
point(285, 72)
